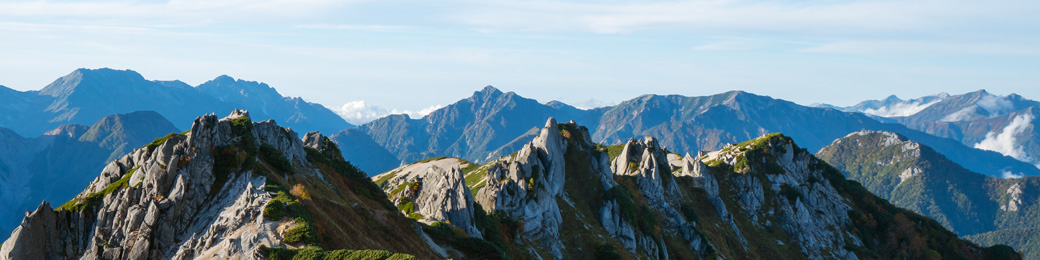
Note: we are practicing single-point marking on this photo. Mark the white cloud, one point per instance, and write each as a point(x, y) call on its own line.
point(591, 103)
point(1010, 175)
point(995, 105)
point(360, 112)
point(1006, 142)
point(900, 109)
point(920, 46)
point(173, 13)
point(992, 104)
point(844, 17)
point(728, 45)
point(366, 27)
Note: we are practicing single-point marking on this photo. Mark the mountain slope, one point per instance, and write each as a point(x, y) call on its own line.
point(229, 188)
point(61, 162)
point(563, 196)
point(914, 176)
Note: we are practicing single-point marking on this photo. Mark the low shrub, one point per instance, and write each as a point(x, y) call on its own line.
point(159, 141)
point(304, 232)
point(274, 210)
point(274, 157)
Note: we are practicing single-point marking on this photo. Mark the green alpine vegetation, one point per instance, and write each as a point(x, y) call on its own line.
point(910, 175)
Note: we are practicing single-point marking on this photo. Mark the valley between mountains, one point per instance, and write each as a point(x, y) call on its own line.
point(499, 176)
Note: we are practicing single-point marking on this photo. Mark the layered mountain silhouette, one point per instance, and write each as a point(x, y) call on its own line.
point(59, 163)
point(492, 123)
point(87, 95)
point(1004, 124)
point(963, 139)
point(231, 188)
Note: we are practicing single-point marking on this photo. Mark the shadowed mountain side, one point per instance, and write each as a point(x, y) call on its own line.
point(360, 150)
point(55, 166)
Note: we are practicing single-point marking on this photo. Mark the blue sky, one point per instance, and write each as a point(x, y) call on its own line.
point(404, 56)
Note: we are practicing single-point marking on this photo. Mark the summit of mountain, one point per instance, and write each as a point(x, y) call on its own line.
point(471, 128)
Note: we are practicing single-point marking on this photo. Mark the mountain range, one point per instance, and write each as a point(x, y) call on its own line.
point(1004, 124)
point(87, 95)
point(231, 188)
point(980, 138)
point(492, 123)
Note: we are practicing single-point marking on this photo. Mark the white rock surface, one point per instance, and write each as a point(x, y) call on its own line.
point(166, 210)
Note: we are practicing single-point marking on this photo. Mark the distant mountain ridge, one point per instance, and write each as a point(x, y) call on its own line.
point(892, 106)
point(492, 123)
point(55, 165)
point(472, 128)
point(86, 95)
point(1004, 124)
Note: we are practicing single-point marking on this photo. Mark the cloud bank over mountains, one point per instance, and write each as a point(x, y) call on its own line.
point(360, 111)
point(1005, 141)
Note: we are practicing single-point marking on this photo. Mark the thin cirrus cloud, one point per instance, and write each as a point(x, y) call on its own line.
point(168, 13)
point(843, 17)
point(837, 27)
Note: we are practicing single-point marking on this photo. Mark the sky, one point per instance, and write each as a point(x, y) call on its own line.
point(368, 58)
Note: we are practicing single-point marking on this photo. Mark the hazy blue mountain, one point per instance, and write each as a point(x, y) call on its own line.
point(263, 101)
point(1005, 124)
point(56, 165)
point(689, 124)
point(359, 149)
point(471, 128)
point(916, 177)
point(492, 123)
point(86, 95)
point(892, 106)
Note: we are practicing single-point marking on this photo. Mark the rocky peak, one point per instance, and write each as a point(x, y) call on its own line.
point(185, 196)
point(813, 211)
point(488, 90)
point(238, 113)
point(525, 187)
point(315, 140)
point(647, 160)
point(1015, 198)
point(445, 197)
point(431, 191)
